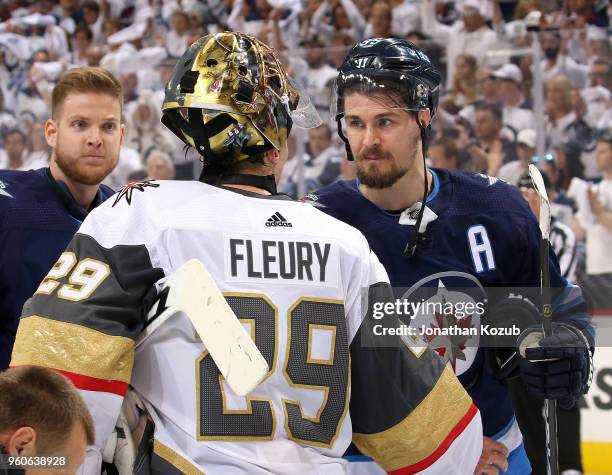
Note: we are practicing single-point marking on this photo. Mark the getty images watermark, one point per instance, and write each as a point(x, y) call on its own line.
point(451, 318)
point(456, 319)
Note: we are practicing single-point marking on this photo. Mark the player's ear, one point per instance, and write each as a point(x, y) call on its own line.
point(271, 157)
point(51, 133)
point(22, 442)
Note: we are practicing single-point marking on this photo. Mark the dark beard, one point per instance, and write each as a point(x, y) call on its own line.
point(380, 180)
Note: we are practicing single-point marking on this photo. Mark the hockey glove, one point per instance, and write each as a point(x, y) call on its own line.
point(512, 311)
point(557, 367)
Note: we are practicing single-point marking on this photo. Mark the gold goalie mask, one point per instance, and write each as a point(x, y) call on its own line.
point(229, 97)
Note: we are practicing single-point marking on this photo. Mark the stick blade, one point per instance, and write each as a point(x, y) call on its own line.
point(538, 183)
point(194, 291)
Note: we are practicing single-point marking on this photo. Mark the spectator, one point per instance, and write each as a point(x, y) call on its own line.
point(81, 41)
point(594, 221)
point(322, 155)
point(160, 166)
point(600, 74)
point(561, 205)
point(443, 153)
point(487, 91)
point(43, 414)
point(38, 148)
point(319, 75)
point(490, 150)
point(144, 129)
point(94, 20)
point(14, 156)
point(176, 39)
point(525, 150)
point(468, 35)
point(567, 157)
point(342, 17)
point(379, 23)
point(85, 133)
point(557, 62)
point(561, 122)
point(70, 15)
point(464, 91)
point(517, 112)
point(321, 165)
point(339, 46)
point(30, 99)
point(94, 55)
point(7, 118)
point(406, 17)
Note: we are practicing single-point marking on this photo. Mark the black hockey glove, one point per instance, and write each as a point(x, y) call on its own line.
point(558, 367)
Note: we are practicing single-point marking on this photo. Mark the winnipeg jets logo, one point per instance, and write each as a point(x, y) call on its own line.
point(369, 43)
point(449, 316)
point(128, 189)
point(3, 191)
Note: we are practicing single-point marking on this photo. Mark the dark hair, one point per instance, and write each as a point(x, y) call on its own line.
point(13, 132)
point(81, 27)
point(327, 129)
point(449, 145)
point(573, 164)
point(378, 88)
point(45, 400)
point(91, 5)
point(494, 109)
point(603, 135)
point(227, 165)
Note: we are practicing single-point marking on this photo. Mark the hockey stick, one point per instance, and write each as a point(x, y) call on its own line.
point(192, 290)
point(550, 405)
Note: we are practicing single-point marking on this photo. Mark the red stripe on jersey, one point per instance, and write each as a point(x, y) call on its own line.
point(88, 383)
point(446, 443)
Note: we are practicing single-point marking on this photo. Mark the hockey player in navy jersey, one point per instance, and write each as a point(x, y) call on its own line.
point(474, 232)
point(40, 210)
point(292, 275)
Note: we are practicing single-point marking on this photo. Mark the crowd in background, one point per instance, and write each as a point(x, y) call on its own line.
point(489, 115)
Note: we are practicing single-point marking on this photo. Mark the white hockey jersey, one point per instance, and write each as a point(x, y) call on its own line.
point(298, 280)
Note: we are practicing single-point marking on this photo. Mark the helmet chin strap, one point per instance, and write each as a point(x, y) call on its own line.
point(411, 247)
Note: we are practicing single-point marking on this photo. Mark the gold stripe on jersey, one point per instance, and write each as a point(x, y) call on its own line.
point(423, 430)
point(315, 326)
point(175, 459)
point(75, 348)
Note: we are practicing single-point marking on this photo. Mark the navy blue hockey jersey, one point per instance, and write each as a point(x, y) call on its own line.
point(38, 217)
point(480, 234)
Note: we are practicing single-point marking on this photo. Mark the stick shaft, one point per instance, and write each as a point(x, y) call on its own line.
point(550, 406)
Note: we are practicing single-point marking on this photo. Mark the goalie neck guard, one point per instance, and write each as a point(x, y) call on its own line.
point(230, 98)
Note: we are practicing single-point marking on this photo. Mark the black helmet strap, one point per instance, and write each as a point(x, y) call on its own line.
point(410, 248)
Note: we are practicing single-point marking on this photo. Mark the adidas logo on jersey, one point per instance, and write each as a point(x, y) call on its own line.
point(278, 219)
